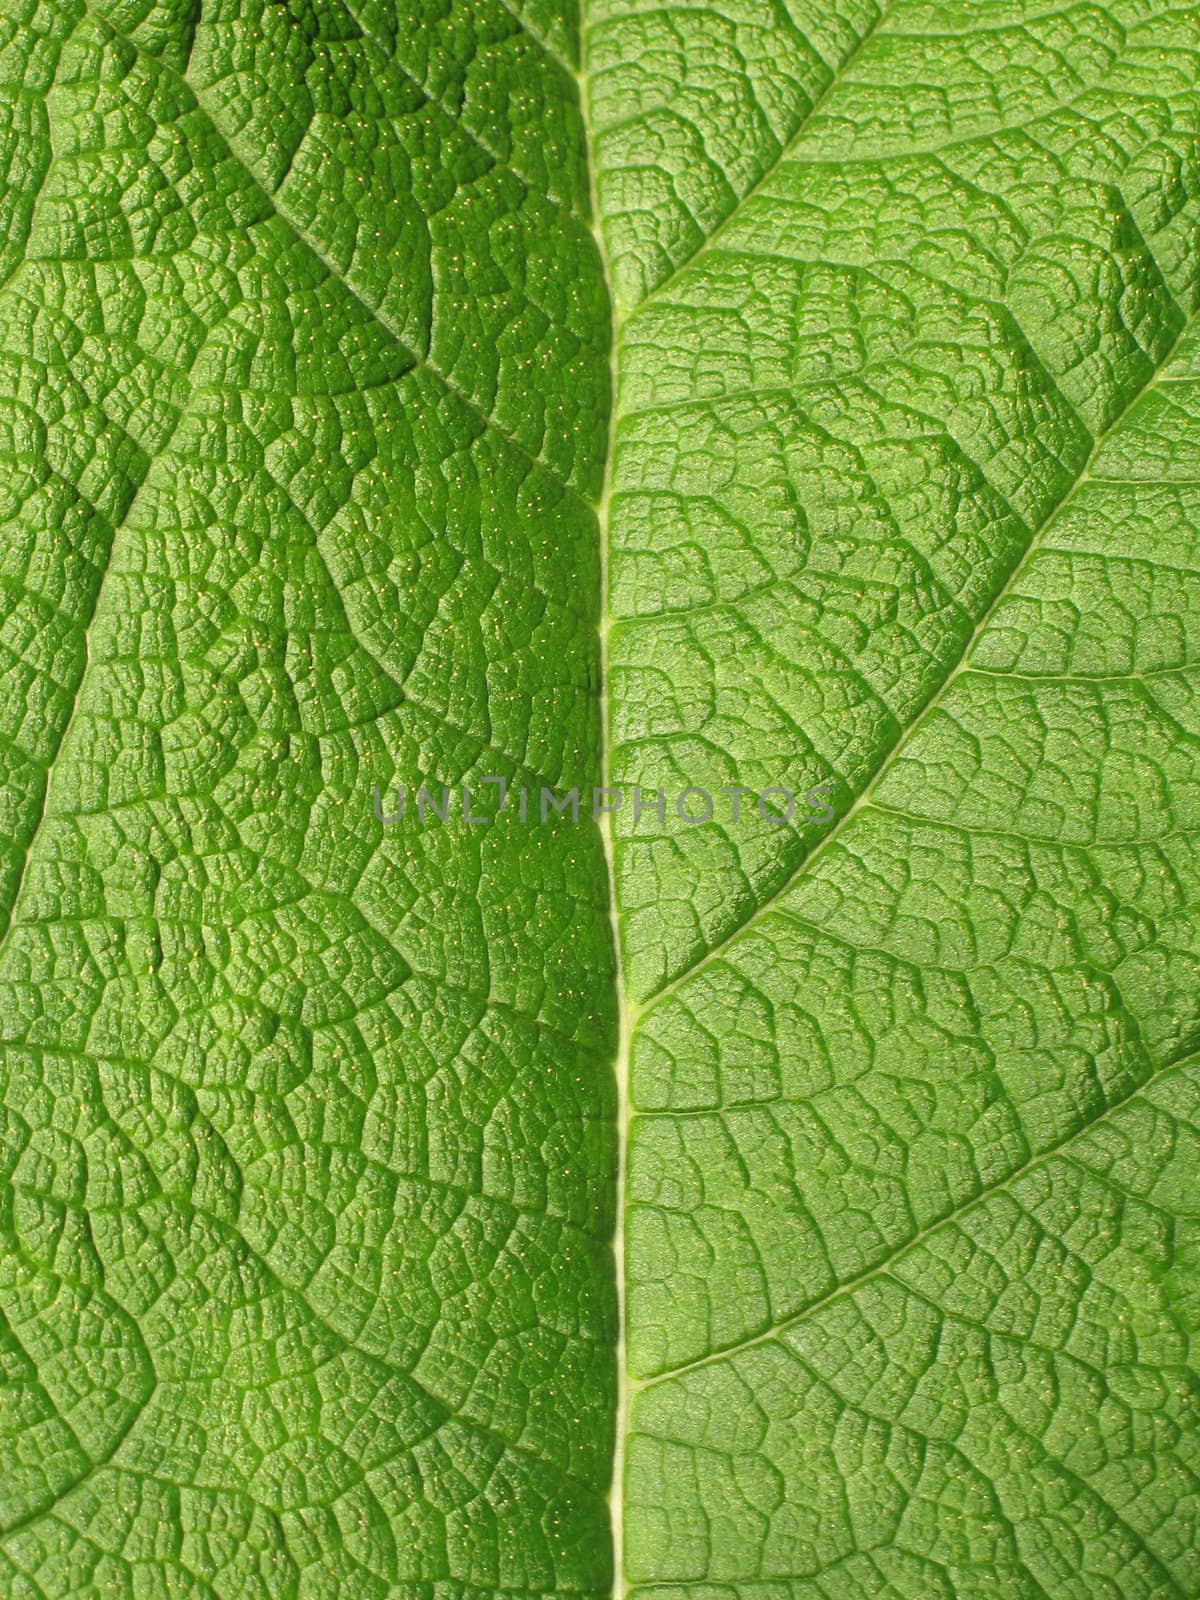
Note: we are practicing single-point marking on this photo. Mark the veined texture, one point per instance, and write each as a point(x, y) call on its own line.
point(759, 395)
point(904, 499)
point(307, 1125)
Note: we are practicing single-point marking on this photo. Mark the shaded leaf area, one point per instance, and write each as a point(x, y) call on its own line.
point(306, 1129)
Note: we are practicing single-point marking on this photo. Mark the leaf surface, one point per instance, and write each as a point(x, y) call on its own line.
point(903, 501)
point(857, 449)
point(307, 1130)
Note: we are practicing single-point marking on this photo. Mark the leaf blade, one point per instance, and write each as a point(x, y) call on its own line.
point(322, 1114)
point(834, 552)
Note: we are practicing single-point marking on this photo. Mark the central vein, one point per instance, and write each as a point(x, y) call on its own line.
point(608, 832)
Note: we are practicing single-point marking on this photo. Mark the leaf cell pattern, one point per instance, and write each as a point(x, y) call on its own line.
point(364, 366)
point(903, 500)
point(307, 1128)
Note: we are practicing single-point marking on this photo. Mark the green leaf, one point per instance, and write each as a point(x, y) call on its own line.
point(307, 1128)
point(904, 499)
point(328, 469)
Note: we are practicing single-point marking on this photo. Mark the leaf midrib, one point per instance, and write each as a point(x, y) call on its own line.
point(626, 1012)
